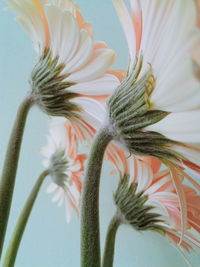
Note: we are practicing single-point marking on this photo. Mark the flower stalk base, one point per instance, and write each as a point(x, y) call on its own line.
point(109, 250)
point(90, 237)
point(15, 241)
point(7, 182)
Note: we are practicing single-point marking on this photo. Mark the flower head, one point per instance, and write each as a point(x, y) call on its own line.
point(151, 104)
point(133, 207)
point(65, 165)
point(71, 75)
point(148, 200)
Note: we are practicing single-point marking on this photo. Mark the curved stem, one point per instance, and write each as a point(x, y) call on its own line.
point(10, 167)
point(15, 241)
point(90, 237)
point(110, 242)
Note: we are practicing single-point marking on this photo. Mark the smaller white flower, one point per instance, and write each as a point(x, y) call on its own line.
point(65, 165)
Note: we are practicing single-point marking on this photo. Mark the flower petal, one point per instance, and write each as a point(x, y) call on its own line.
point(101, 61)
point(101, 86)
point(127, 25)
point(93, 111)
point(82, 55)
point(181, 127)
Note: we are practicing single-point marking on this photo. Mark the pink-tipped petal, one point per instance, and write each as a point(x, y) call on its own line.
point(127, 25)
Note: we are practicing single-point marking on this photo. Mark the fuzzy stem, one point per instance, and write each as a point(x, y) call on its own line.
point(90, 236)
point(11, 252)
point(109, 249)
point(7, 182)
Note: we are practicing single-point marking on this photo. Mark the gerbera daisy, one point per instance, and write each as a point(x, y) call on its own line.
point(149, 32)
point(65, 165)
point(146, 199)
point(72, 70)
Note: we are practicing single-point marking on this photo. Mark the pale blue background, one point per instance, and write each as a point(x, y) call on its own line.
point(48, 240)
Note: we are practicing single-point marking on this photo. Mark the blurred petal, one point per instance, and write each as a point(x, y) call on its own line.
point(127, 25)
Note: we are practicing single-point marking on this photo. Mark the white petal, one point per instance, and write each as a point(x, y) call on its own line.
point(30, 18)
point(60, 202)
point(127, 25)
point(64, 33)
point(68, 4)
point(189, 153)
point(51, 188)
point(58, 195)
point(158, 184)
point(54, 17)
point(144, 176)
point(93, 112)
point(168, 35)
point(101, 61)
point(132, 168)
point(67, 211)
point(166, 197)
point(159, 209)
point(74, 193)
point(82, 54)
point(182, 127)
point(49, 148)
point(70, 36)
point(102, 86)
point(179, 91)
point(75, 166)
point(59, 137)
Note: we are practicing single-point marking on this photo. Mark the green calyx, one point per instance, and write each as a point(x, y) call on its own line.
point(133, 209)
point(130, 112)
point(58, 167)
point(50, 90)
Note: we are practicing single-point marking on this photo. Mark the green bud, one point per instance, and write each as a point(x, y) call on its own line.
point(50, 90)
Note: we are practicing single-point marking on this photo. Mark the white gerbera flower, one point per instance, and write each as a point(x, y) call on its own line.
point(71, 77)
point(165, 32)
point(65, 165)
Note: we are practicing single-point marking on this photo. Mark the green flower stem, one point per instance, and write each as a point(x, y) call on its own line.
point(10, 167)
point(110, 242)
point(90, 237)
point(15, 241)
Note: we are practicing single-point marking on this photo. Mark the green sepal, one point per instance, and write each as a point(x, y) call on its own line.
point(50, 89)
point(58, 167)
point(133, 207)
point(130, 111)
